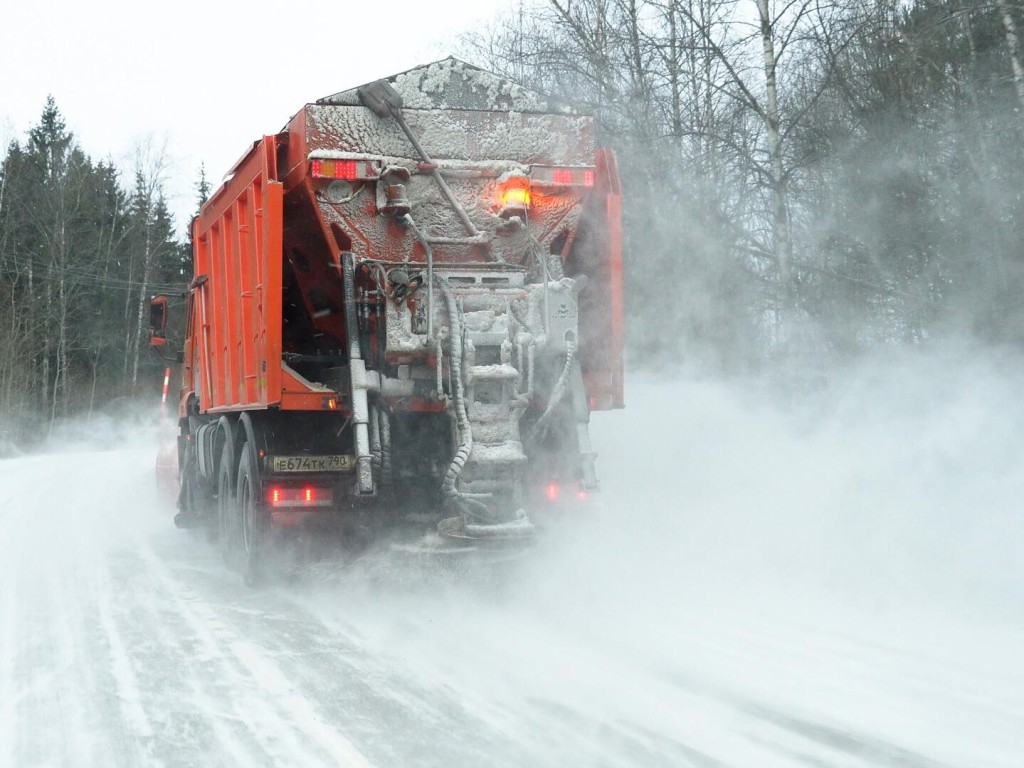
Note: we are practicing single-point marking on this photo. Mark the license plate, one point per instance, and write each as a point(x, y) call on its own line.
point(311, 463)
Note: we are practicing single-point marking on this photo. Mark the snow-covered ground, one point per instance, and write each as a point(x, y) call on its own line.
point(835, 581)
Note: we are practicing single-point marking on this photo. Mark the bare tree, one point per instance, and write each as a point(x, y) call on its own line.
point(149, 244)
point(1014, 47)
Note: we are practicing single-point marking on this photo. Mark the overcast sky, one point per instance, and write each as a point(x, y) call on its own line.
point(203, 79)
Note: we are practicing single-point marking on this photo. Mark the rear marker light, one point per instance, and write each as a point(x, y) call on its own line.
point(552, 491)
point(348, 170)
point(310, 496)
point(563, 176)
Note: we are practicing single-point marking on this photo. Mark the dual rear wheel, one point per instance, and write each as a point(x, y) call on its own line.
point(241, 515)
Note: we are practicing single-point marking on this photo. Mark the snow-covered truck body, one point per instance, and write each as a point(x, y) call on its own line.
point(409, 300)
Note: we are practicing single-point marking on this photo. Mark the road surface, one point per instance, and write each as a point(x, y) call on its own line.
point(650, 637)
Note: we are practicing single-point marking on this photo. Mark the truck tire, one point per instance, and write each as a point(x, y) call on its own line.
point(253, 519)
point(227, 513)
point(194, 501)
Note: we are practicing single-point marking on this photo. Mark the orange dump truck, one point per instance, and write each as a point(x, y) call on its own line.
point(404, 307)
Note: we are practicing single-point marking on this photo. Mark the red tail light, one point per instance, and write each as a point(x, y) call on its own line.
point(551, 491)
point(308, 496)
point(348, 170)
point(563, 176)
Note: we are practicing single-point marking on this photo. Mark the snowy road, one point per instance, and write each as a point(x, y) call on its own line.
point(125, 642)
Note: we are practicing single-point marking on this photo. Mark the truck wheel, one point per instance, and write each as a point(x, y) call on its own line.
point(194, 505)
point(255, 524)
point(227, 516)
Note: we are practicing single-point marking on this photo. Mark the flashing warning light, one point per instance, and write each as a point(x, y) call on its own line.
point(515, 197)
point(307, 496)
point(551, 491)
point(348, 170)
point(563, 176)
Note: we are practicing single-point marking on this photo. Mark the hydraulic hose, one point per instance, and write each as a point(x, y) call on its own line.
point(410, 222)
point(385, 444)
point(469, 506)
point(561, 387)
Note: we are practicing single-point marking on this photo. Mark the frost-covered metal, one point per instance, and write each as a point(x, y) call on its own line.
point(413, 290)
point(451, 84)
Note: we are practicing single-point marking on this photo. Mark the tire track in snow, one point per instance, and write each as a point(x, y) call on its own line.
point(56, 710)
point(291, 705)
point(74, 666)
point(542, 697)
point(35, 676)
point(208, 710)
point(403, 696)
point(340, 749)
point(381, 704)
point(126, 691)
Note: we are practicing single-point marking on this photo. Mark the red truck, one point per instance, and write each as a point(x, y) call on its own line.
point(405, 306)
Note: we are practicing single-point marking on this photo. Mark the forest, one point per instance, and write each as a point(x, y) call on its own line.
point(802, 178)
point(81, 252)
point(803, 181)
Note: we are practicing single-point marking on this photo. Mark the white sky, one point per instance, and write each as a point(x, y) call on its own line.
point(203, 79)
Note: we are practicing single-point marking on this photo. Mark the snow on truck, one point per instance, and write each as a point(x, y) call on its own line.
point(404, 307)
